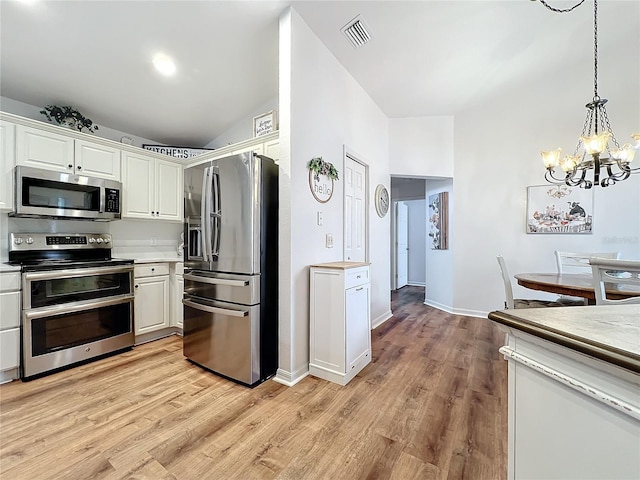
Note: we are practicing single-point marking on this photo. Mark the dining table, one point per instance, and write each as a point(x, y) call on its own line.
point(574, 285)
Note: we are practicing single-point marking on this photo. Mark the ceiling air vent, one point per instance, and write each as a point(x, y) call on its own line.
point(356, 32)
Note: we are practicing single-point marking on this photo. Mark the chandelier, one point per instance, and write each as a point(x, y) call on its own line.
point(610, 164)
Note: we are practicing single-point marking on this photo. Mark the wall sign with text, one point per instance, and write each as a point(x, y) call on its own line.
point(176, 152)
point(265, 123)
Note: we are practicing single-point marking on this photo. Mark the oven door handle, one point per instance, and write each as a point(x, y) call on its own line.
point(75, 307)
point(216, 281)
point(75, 272)
point(221, 311)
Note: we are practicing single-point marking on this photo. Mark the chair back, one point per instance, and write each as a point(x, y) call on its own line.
point(508, 290)
point(617, 272)
point(580, 260)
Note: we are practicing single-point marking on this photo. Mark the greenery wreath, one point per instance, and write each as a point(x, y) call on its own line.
point(320, 167)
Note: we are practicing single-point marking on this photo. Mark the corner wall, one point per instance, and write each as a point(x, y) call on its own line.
point(322, 110)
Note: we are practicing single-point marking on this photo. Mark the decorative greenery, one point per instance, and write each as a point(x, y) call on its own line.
point(320, 167)
point(69, 115)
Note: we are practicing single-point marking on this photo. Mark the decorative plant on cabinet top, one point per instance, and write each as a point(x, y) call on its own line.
point(69, 117)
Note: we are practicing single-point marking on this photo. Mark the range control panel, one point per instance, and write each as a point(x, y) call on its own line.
point(55, 241)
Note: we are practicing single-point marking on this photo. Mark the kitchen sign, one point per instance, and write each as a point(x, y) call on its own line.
point(177, 152)
point(265, 123)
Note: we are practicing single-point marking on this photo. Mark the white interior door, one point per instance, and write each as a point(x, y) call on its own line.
point(354, 211)
point(402, 244)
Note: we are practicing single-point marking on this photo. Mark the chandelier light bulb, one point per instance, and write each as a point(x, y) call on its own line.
point(569, 162)
point(624, 154)
point(551, 158)
point(596, 143)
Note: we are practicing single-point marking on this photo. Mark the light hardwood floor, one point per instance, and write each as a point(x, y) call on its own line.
point(431, 405)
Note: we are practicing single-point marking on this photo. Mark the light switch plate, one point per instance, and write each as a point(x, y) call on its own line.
point(329, 241)
point(320, 218)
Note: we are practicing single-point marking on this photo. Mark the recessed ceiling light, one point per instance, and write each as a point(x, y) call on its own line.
point(164, 64)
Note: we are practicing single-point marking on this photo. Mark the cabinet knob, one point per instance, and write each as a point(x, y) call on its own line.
point(136, 286)
point(79, 167)
point(70, 166)
point(153, 269)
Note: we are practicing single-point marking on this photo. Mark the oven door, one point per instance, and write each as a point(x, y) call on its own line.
point(57, 287)
point(61, 335)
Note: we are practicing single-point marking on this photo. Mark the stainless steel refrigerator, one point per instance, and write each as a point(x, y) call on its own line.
point(231, 267)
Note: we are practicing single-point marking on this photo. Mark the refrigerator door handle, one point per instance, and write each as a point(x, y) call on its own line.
point(216, 281)
point(221, 311)
point(216, 214)
point(205, 215)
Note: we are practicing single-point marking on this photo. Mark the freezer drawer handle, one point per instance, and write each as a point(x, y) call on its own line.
point(222, 311)
point(217, 281)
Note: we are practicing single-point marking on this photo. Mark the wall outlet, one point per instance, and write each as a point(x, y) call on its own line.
point(329, 240)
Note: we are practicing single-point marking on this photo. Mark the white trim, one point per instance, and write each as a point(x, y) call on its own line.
point(289, 379)
point(573, 383)
point(457, 311)
point(417, 284)
point(381, 319)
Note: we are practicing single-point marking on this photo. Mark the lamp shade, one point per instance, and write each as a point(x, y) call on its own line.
point(551, 158)
point(624, 154)
point(596, 143)
point(569, 162)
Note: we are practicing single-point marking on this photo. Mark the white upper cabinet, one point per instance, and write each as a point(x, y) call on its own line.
point(55, 151)
point(96, 160)
point(152, 188)
point(7, 162)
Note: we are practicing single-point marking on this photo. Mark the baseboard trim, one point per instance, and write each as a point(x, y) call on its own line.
point(417, 284)
point(456, 311)
point(290, 379)
point(375, 323)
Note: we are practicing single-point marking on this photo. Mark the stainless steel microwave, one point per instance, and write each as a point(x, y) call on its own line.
point(48, 194)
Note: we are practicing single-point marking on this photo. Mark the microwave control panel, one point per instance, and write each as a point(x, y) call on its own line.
point(112, 200)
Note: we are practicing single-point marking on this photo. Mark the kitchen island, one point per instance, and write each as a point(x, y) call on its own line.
point(574, 391)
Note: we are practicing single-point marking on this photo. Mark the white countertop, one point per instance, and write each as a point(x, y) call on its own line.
point(609, 332)
point(9, 268)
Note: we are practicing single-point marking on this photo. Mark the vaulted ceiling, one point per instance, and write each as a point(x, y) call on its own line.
point(425, 58)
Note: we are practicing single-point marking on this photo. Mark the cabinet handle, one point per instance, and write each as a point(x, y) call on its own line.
point(358, 276)
point(358, 289)
point(79, 167)
point(70, 166)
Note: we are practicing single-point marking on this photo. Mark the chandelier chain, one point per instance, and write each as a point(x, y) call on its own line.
point(605, 121)
point(561, 10)
point(595, 50)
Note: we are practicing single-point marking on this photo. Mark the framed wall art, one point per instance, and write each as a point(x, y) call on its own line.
point(265, 123)
point(559, 209)
point(439, 221)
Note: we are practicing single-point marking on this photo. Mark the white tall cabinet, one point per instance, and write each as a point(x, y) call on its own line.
point(340, 323)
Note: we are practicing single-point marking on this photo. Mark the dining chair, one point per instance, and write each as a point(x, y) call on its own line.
point(512, 303)
point(578, 262)
point(617, 272)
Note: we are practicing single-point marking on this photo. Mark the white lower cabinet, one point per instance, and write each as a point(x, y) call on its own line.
point(340, 331)
point(152, 300)
point(9, 326)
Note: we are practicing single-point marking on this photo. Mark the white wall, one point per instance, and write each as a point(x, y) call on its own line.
point(242, 129)
point(322, 109)
point(417, 219)
point(421, 146)
point(439, 278)
point(493, 172)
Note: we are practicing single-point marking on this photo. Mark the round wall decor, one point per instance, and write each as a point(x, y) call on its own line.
point(321, 187)
point(381, 200)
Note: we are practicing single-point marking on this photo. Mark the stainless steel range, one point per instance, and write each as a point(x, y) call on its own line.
point(77, 301)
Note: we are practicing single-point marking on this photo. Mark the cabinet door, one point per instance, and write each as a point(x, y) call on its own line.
point(138, 185)
point(9, 349)
point(151, 307)
point(272, 149)
point(169, 191)
point(40, 149)
point(97, 160)
point(357, 324)
point(7, 162)
point(9, 310)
